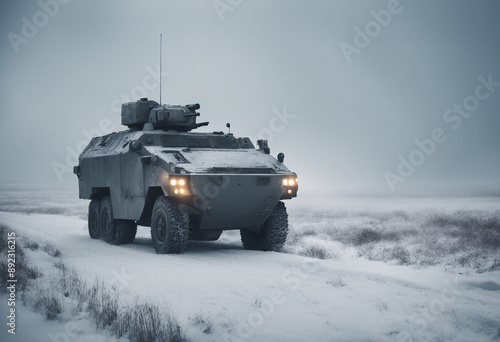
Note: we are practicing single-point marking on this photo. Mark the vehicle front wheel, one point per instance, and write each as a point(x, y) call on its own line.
point(272, 234)
point(108, 227)
point(94, 218)
point(169, 226)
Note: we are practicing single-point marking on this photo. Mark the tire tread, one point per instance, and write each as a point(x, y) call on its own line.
point(177, 228)
point(273, 233)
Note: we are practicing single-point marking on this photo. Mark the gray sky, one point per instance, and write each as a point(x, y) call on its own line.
point(246, 61)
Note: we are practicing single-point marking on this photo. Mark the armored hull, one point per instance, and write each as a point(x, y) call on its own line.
point(214, 180)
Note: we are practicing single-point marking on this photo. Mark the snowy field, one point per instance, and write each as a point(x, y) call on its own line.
point(353, 269)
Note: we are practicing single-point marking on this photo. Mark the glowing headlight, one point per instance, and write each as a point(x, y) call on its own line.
point(290, 187)
point(179, 186)
point(289, 181)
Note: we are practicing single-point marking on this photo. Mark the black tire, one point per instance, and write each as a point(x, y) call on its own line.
point(125, 231)
point(108, 227)
point(272, 234)
point(169, 226)
point(205, 235)
point(94, 219)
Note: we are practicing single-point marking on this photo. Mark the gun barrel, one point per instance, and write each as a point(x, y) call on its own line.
point(192, 107)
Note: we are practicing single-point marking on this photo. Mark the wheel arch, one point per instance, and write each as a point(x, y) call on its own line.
point(99, 193)
point(154, 192)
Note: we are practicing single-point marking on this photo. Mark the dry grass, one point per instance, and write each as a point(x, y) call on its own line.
point(461, 239)
point(316, 251)
point(45, 300)
point(42, 201)
point(24, 273)
point(146, 322)
point(62, 290)
point(204, 323)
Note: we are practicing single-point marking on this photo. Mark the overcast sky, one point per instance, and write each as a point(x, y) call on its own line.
point(353, 93)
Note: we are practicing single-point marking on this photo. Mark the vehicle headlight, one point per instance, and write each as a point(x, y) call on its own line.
point(290, 187)
point(179, 186)
point(290, 181)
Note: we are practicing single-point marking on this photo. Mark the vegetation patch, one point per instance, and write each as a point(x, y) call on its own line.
point(455, 240)
point(60, 290)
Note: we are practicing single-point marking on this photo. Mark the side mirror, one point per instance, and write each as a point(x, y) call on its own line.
point(281, 157)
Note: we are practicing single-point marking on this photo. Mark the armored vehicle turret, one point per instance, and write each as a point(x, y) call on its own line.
point(184, 185)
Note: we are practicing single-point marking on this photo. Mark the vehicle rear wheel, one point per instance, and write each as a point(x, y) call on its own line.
point(94, 218)
point(169, 226)
point(108, 227)
point(272, 234)
point(125, 231)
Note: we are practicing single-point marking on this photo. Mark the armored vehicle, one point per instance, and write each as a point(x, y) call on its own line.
point(184, 185)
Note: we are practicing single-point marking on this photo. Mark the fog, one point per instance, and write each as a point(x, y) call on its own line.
point(344, 89)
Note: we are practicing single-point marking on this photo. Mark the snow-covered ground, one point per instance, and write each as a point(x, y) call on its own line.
point(368, 281)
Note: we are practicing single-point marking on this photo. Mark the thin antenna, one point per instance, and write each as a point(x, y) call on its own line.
point(161, 39)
